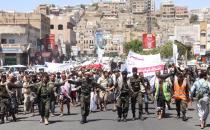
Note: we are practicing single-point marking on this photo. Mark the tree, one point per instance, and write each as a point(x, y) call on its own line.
point(134, 45)
point(95, 5)
point(82, 6)
point(183, 49)
point(166, 51)
point(193, 18)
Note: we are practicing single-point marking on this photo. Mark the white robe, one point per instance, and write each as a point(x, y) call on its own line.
point(203, 108)
point(93, 105)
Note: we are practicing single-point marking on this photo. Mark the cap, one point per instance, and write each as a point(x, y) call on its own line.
point(88, 73)
point(134, 69)
point(124, 72)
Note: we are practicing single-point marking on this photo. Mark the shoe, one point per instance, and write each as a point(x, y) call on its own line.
point(184, 118)
point(46, 121)
point(178, 117)
point(61, 115)
point(160, 117)
point(52, 115)
point(2, 121)
point(85, 119)
point(33, 114)
point(119, 119)
point(82, 120)
point(14, 119)
point(41, 120)
point(141, 117)
point(124, 120)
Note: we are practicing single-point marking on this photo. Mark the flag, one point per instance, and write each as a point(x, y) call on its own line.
point(175, 53)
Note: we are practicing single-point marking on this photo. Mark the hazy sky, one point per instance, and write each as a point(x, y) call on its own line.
point(29, 5)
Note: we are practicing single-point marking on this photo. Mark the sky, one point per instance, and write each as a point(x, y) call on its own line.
point(30, 5)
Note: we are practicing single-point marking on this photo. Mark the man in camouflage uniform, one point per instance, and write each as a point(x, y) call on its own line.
point(54, 85)
point(123, 98)
point(11, 88)
point(87, 85)
point(137, 87)
point(4, 98)
point(44, 96)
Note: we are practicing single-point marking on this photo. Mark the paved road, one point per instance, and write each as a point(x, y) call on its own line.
point(106, 121)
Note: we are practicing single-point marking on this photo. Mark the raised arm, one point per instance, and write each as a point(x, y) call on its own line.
point(77, 83)
point(98, 86)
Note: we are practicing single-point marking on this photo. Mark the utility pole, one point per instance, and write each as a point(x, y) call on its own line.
point(149, 19)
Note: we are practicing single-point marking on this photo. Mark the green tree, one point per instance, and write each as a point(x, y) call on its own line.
point(183, 50)
point(95, 5)
point(193, 18)
point(134, 45)
point(166, 51)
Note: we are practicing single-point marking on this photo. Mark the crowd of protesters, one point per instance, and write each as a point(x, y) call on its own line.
point(94, 89)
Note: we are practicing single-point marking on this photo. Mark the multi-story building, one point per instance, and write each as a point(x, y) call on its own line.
point(113, 6)
point(203, 14)
point(62, 28)
point(110, 1)
point(181, 12)
point(36, 20)
point(43, 9)
point(188, 35)
point(85, 32)
point(167, 9)
point(208, 37)
point(18, 43)
point(138, 6)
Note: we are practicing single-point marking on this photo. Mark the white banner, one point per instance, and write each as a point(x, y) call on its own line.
point(148, 64)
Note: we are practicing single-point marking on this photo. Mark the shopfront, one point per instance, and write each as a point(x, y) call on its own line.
point(13, 54)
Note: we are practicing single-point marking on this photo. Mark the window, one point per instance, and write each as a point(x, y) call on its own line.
point(203, 34)
point(11, 41)
point(3, 41)
point(51, 26)
point(60, 27)
point(70, 25)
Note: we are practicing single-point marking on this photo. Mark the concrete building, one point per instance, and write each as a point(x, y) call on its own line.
point(181, 12)
point(43, 9)
point(110, 1)
point(18, 43)
point(113, 6)
point(167, 9)
point(138, 6)
point(62, 27)
point(36, 20)
point(203, 14)
point(188, 34)
point(85, 33)
point(208, 37)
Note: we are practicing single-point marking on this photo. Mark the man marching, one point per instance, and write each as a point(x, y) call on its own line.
point(123, 98)
point(87, 84)
point(181, 95)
